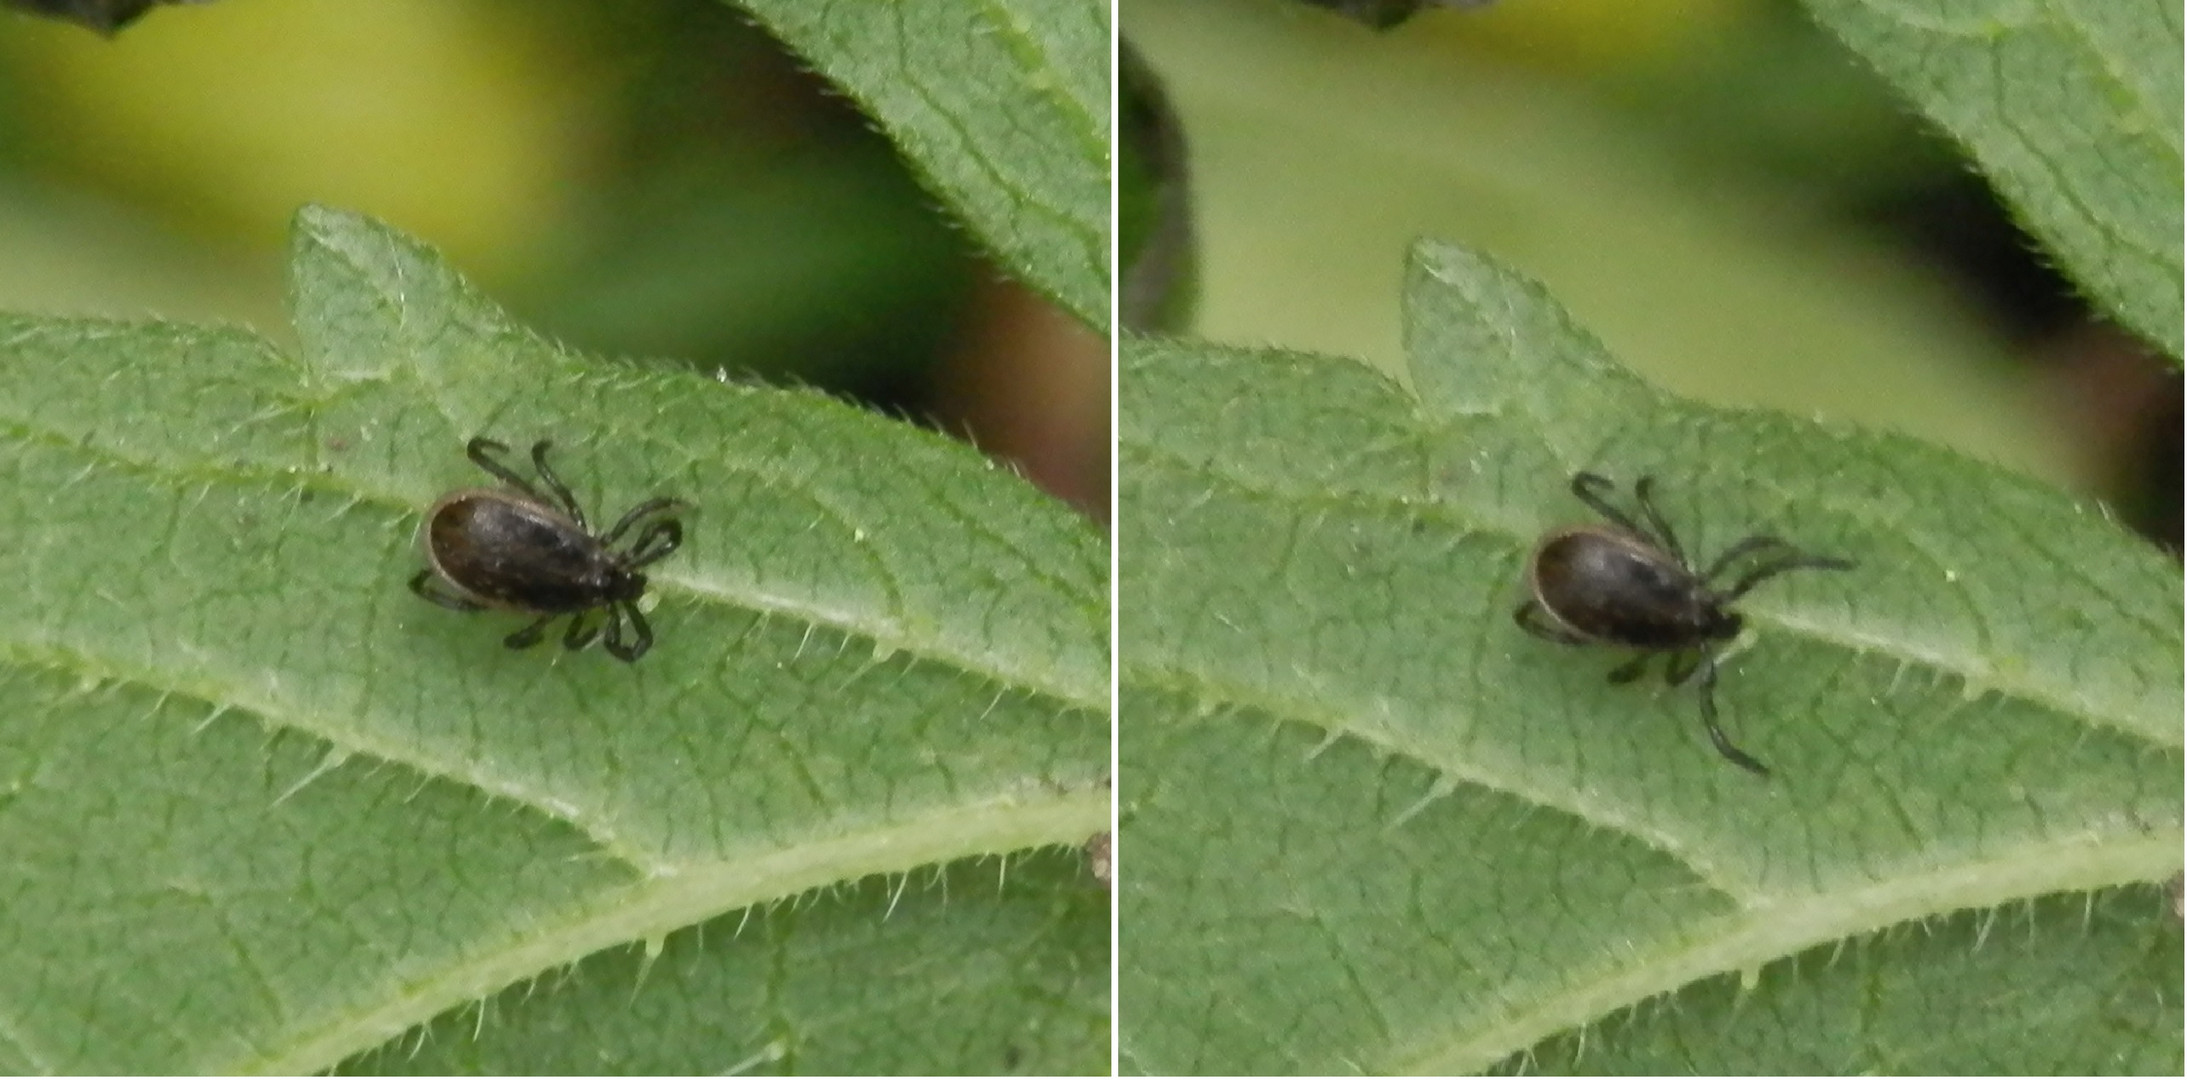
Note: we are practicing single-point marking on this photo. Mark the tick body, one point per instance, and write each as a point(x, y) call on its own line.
point(1628, 583)
point(517, 549)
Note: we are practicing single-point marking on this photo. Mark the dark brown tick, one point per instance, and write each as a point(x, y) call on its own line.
point(1629, 584)
point(518, 550)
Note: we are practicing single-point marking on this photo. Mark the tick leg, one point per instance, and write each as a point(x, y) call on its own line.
point(1794, 561)
point(1590, 486)
point(1681, 668)
point(1716, 733)
point(530, 635)
point(480, 452)
point(1744, 547)
point(656, 542)
point(639, 513)
point(554, 484)
point(581, 632)
point(1644, 491)
point(611, 621)
point(1533, 620)
point(428, 585)
point(1630, 670)
point(629, 652)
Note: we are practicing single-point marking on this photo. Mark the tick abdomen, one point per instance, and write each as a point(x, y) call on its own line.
point(1619, 590)
point(513, 554)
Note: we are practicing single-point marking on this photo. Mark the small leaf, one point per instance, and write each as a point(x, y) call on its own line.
point(1370, 826)
point(106, 16)
point(1383, 14)
point(1002, 106)
point(2073, 109)
point(1156, 244)
point(263, 809)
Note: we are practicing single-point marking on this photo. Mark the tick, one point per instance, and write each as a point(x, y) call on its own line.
point(518, 550)
point(1628, 583)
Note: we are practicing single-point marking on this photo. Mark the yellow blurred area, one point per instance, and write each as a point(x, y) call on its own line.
point(1574, 36)
point(458, 122)
point(1321, 153)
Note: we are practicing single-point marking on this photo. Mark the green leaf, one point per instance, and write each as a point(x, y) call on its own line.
point(263, 809)
point(1371, 826)
point(1002, 106)
point(2073, 108)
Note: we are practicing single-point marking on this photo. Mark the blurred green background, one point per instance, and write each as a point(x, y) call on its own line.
point(1718, 189)
point(643, 178)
